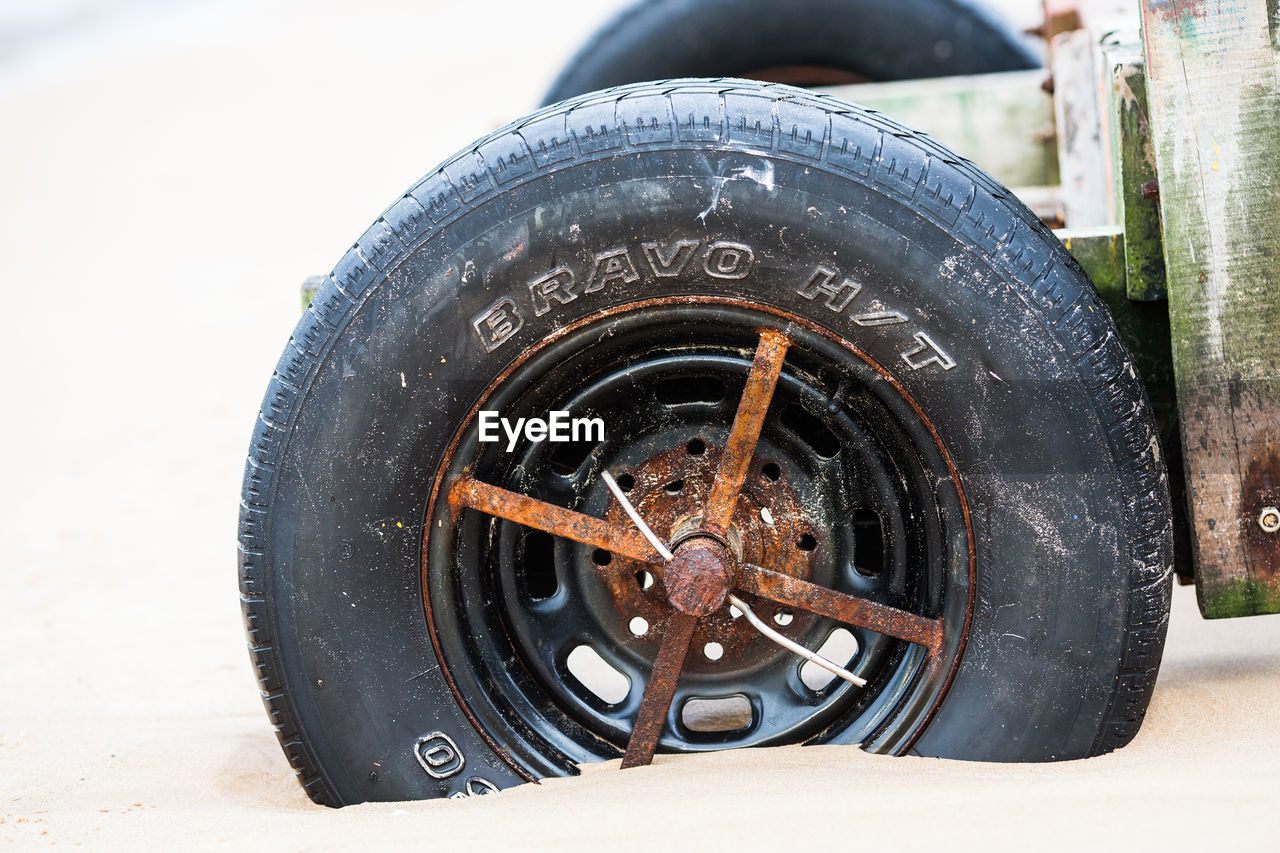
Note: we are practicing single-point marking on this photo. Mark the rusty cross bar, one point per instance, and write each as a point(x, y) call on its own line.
point(745, 432)
point(848, 609)
point(540, 515)
point(659, 690)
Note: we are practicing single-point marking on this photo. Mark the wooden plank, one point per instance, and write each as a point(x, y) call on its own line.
point(1134, 168)
point(1213, 68)
point(1082, 160)
point(1103, 47)
point(1081, 80)
point(1003, 122)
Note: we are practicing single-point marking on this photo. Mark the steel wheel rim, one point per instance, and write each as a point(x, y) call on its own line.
point(501, 674)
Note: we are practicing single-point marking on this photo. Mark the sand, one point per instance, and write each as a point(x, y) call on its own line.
point(167, 178)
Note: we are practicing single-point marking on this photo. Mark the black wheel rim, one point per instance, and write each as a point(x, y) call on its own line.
point(847, 466)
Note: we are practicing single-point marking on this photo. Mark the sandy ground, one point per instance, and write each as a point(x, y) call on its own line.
point(166, 180)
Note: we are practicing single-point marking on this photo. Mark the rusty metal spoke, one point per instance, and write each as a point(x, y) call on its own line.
point(745, 432)
point(558, 521)
point(652, 716)
point(843, 608)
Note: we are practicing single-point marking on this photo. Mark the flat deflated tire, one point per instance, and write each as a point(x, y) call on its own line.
point(953, 455)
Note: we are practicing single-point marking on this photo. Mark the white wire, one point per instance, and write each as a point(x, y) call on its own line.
point(635, 516)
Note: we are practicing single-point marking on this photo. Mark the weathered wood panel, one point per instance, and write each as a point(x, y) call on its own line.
point(1134, 167)
point(1083, 161)
point(1213, 68)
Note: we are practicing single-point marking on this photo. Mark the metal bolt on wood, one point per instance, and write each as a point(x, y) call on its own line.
point(1269, 519)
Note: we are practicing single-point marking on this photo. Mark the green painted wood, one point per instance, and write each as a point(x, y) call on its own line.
point(1134, 166)
point(1100, 250)
point(1213, 86)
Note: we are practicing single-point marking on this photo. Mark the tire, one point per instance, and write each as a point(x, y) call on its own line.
point(808, 42)
point(957, 432)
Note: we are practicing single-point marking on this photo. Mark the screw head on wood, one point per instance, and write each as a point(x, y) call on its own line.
point(1269, 519)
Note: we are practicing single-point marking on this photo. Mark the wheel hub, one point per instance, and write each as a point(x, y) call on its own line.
point(699, 576)
point(670, 489)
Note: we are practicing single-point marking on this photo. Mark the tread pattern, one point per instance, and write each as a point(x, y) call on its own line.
point(824, 133)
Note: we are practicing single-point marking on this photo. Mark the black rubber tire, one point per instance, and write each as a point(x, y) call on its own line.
point(1048, 426)
point(872, 39)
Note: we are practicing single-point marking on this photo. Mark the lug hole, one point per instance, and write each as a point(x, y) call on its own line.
point(601, 557)
point(695, 447)
point(625, 482)
point(719, 715)
point(674, 487)
point(539, 559)
point(839, 648)
point(638, 626)
point(713, 651)
point(644, 579)
point(868, 537)
point(806, 542)
point(783, 618)
point(771, 472)
point(596, 674)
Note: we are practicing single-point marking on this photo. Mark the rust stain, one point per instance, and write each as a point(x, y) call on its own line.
point(674, 516)
point(1261, 489)
point(698, 577)
point(513, 506)
point(1175, 10)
